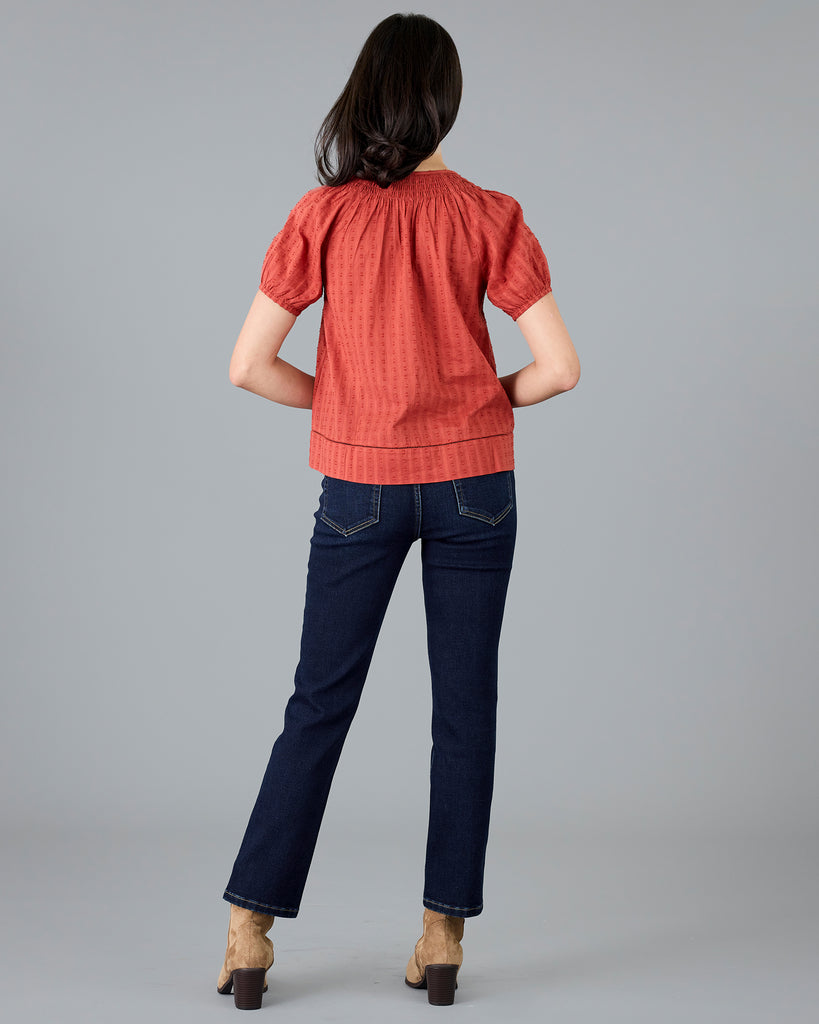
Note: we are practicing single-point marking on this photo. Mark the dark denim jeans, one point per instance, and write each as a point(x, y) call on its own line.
point(361, 537)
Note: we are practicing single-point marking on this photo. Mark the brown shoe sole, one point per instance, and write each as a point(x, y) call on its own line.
point(440, 980)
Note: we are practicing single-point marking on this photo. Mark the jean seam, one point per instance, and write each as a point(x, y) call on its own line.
point(465, 510)
point(449, 905)
point(375, 512)
point(271, 906)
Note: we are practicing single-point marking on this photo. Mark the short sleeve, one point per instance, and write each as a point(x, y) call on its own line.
point(291, 270)
point(518, 273)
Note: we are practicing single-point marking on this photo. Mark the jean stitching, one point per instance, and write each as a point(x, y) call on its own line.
point(492, 520)
point(449, 906)
point(375, 503)
point(465, 510)
point(272, 906)
point(352, 529)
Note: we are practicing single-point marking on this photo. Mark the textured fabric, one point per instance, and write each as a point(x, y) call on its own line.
point(406, 387)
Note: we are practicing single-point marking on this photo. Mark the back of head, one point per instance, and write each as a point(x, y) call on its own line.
point(400, 101)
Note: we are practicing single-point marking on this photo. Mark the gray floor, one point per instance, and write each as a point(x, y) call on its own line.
point(130, 926)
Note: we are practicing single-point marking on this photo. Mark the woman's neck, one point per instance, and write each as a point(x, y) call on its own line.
point(433, 163)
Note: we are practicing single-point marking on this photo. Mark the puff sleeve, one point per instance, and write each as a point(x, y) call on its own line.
point(291, 270)
point(518, 273)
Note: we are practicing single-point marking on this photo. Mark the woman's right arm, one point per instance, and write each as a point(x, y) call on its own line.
point(556, 367)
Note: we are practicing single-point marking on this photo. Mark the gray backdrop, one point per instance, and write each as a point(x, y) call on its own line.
point(658, 656)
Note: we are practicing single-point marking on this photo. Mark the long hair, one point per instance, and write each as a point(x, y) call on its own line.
point(400, 101)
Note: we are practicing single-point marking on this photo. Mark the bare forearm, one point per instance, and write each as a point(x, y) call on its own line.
point(531, 384)
point(280, 382)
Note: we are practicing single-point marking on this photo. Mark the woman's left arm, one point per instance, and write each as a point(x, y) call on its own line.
point(255, 364)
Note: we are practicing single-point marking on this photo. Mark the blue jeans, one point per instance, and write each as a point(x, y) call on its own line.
point(361, 537)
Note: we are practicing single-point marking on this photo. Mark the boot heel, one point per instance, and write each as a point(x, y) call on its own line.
point(248, 985)
point(441, 983)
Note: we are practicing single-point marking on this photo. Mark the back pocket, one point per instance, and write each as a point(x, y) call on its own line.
point(488, 497)
point(347, 506)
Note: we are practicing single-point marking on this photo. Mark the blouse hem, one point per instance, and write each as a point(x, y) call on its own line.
point(475, 456)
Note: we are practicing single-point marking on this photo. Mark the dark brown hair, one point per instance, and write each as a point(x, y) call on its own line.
point(400, 101)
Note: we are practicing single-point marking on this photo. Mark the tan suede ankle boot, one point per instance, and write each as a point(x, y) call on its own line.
point(437, 957)
point(249, 956)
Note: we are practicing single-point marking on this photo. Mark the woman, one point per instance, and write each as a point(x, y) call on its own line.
point(412, 431)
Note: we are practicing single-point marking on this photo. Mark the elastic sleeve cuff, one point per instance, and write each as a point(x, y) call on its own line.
point(280, 300)
point(523, 306)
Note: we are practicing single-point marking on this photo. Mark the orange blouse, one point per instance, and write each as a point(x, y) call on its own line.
point(406, 388)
